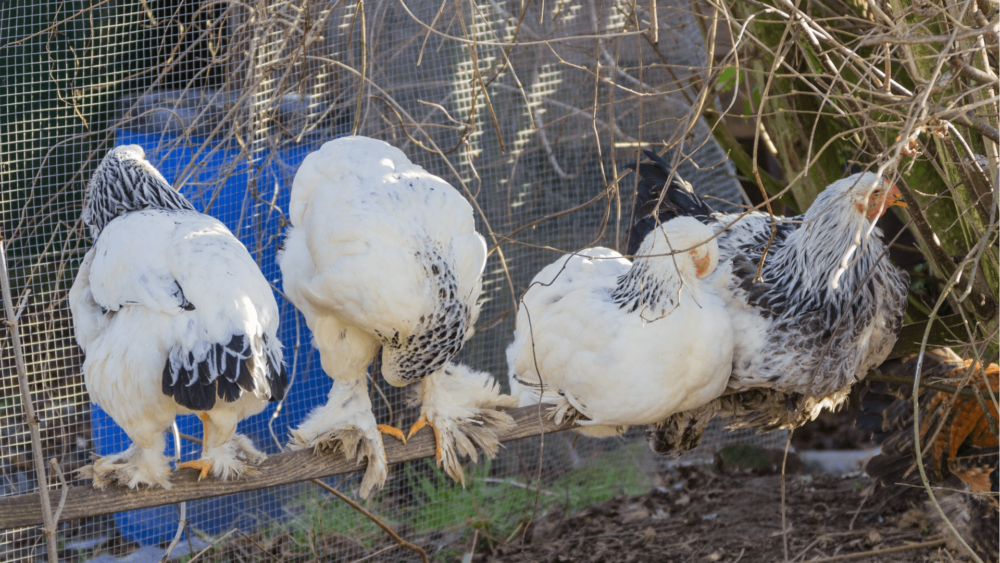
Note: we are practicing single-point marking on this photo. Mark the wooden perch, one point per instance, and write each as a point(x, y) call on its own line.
point(293, 467)
point(279, 469)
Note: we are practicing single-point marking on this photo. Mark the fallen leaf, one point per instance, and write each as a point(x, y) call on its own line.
point(648, 535)
point(913, 517)
point(637, 514)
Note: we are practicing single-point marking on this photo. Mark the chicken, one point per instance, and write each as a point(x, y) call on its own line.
point(958, 438)
point(175, 318)
point(614, 343)
point(383, 254)
point(824, 312)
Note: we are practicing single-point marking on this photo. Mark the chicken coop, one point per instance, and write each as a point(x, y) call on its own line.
point(534, 111)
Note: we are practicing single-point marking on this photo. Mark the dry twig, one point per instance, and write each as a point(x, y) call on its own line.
point(30, 417)
point(378, 521)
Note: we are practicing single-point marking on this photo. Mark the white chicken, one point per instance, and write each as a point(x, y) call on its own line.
point(174, 317)
point(614, 343)
point(382, 253)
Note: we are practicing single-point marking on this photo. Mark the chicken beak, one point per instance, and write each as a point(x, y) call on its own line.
point(882, 201)
point(895, 198)
point(701, 263)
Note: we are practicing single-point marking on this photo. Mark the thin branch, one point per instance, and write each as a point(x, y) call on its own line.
point(876, 552)
point(30, 417)
point(65, 488)
point(378, 521)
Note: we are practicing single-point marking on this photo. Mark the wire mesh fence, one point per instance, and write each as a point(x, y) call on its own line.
point(531, 110)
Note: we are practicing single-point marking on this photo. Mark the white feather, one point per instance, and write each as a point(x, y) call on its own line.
point(621, 368)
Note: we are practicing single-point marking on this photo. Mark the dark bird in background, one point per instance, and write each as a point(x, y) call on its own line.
point(958, 439)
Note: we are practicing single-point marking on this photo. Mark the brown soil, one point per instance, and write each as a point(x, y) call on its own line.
point(728, 515)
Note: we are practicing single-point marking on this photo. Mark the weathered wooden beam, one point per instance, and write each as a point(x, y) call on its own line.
point(293, 467)
point(279, 469)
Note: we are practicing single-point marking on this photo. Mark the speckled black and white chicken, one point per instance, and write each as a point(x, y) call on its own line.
point(174, 317)
point(824, 312)
point(613, 343)
point(383, 254)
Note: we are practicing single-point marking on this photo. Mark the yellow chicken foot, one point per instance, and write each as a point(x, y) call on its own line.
point(392, 431)
point(420, 423)
point(202, 465)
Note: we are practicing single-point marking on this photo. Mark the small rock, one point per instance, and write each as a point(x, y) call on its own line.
point(837, 462)
point(873, 538)
point(715, 556)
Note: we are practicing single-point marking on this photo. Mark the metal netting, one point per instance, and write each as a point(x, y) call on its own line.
point(531, 109)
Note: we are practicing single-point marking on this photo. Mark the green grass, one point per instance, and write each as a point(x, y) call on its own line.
point(322, 514)
point(498, 507)
point(320, 517)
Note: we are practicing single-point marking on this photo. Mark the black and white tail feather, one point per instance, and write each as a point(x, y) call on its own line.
point(225, 372)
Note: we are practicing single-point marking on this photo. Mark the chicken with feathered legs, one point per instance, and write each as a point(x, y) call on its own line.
point(174, 317)
point(383, 254)
point(614, 343)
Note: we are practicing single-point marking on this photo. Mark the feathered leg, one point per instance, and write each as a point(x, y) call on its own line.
point(564, 409)
point(461, 407)
point(569, 409)
point(142, 464)
point(681, 431)
point(346, 424)
point(225, 454)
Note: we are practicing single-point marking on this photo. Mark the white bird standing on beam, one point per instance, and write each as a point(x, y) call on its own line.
point(383, 254)
point(613, 343)
point(174, 317)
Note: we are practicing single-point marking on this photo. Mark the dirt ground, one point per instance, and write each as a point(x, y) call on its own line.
point(733, 514)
